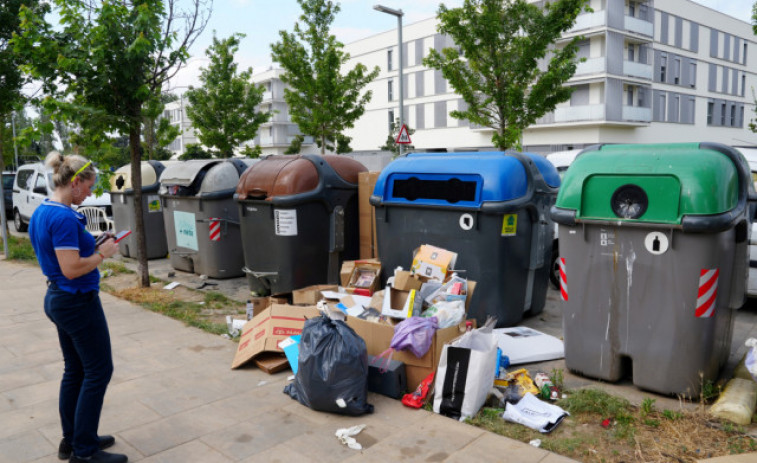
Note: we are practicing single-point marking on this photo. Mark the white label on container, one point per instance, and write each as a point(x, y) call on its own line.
point(186, 231)
point(466, 221)
point(285, 222)
point(656, 243)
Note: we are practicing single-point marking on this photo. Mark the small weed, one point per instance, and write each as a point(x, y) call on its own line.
point(651, 423)
point(115, 267)
point(557, 378)
point(647, 406)
point(671, 415)
point(595, 401)
point(710, 391)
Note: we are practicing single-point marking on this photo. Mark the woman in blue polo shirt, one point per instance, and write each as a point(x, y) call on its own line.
point(68, 257)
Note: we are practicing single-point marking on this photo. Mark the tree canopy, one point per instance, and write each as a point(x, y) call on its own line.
point(494, 65)
point(322, 101)
point(223, 110)
point(104, 63)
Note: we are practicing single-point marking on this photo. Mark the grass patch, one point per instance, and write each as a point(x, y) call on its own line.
point(115, 267)
point(606, 428)
point(19, 248)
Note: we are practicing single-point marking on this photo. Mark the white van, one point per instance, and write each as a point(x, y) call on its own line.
point(34, 183)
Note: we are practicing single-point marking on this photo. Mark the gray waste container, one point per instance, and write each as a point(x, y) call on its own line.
point(492, 209)
point(299, 219)
point(202, 220)
point(122, 198)
point(653, 257)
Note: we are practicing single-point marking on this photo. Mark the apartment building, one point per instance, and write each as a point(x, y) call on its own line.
point(176, 113)
point(653, 71)
point(275, 136)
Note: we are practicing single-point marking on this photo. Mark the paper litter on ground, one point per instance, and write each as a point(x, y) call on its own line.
point(534, 413)
point(345, 436)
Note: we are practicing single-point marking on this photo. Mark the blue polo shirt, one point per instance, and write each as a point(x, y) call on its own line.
point(55, 226)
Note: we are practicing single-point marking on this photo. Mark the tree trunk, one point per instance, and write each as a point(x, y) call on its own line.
point(143, 272)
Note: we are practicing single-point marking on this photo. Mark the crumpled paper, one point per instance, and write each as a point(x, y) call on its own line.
point(345, 436)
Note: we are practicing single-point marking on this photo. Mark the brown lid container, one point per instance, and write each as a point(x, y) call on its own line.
point(287, 175)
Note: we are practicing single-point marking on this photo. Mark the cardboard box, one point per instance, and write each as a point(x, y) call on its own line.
point(264, 332)
point(367, 214)
point(406, 281)
point(433, 262)
point(358, 270)
point(378, 337)
point(256, 305)
point(400, 304)
point(311, 294)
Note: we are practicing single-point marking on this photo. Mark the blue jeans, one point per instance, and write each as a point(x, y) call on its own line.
point(88, 365)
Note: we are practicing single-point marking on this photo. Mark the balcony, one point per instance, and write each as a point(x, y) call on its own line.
point(637, 114)
point(267, 95)
point(639, 26)
point(583, 113)
point(592, 66)
point(589, 21)
point(640, 70)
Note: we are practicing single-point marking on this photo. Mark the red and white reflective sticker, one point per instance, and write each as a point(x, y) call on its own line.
point(215, 229)
point(563, 280)
point(708, 292)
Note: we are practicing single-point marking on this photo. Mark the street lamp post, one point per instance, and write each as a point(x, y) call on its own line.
point(398, 14)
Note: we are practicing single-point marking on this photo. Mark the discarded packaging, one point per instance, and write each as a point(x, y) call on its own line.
point(547, 389)
point(535, 442)
point(417, 398)
point(432, 262)
point(520, 379)
point(751, 357)
point(526, 345)
point(737, 402)
point(171, 285)
point(535, 414)
point(345, 436)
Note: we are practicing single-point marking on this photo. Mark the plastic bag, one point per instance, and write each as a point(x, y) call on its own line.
point(448, 313)
point(751, 357)
point(414, 334)
point(332, 372)
point(466, 373)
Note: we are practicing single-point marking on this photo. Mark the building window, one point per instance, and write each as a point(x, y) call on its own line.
point(390, 90)
point(676, 70)
point(663, 67)
point(693, 75)
point(389, 60)
point(629, 96)
point(722, 114)
point(632, 9)
point(744, 54)
point(743, 84)
point(710, 109)
point(391, 120)
point(733, 115)
point(631, 50)
point(663, 107)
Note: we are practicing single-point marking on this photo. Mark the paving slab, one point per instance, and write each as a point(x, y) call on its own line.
point(173, 398)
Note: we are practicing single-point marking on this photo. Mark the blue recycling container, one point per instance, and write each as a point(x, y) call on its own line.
point(491, 208)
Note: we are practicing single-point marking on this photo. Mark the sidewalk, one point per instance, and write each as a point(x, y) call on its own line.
point(173, 398)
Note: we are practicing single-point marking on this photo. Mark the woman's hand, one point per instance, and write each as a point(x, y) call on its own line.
point(109, 248)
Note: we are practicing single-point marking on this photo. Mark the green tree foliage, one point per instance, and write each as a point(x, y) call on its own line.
point(296, 146)
point(322, 101)
point(11, 78)
point(103, 63)
point(495, 65)
point(223, 109)
point(195, 151)
point(158, 132)
point(390, 144)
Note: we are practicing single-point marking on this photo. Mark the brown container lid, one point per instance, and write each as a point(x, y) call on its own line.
point(287, 175)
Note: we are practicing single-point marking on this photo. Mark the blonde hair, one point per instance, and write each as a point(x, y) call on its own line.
point(65, 167)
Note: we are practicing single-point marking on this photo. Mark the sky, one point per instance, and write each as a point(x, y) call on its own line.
point(261, 20)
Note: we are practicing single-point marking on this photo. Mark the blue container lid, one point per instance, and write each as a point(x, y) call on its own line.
point(467, 179)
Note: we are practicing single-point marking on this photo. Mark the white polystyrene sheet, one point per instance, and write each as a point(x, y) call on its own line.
point(527, 345)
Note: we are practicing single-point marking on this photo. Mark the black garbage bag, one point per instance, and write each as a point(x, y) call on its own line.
point(332, 372)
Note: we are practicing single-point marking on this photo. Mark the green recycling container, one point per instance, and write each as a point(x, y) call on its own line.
point(653, 257)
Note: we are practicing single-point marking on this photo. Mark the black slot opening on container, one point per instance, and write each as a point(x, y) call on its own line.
point(451, 190)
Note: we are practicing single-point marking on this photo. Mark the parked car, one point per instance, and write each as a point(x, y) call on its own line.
point(8, 178)
point(34, 183)
point(561, 160)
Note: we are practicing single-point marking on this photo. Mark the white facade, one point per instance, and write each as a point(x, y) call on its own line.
point(654, 72)
point(176, 113)
point(275, 136)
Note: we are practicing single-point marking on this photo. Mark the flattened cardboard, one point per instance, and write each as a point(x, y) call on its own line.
point(311, 295)
point(399, 304)
point(271, 362)
point(264, 332)
point(259, 304)
point(433, 262)
point(367, 215)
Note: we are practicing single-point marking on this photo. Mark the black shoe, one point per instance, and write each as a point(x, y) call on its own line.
point(101, 457)
point(65, 450)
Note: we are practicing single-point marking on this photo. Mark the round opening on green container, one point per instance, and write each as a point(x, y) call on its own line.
point(629, 202)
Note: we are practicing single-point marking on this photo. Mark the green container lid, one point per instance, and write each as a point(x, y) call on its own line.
point(659, 183)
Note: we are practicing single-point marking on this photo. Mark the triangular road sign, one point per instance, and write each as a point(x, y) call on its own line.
point(403, 138)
